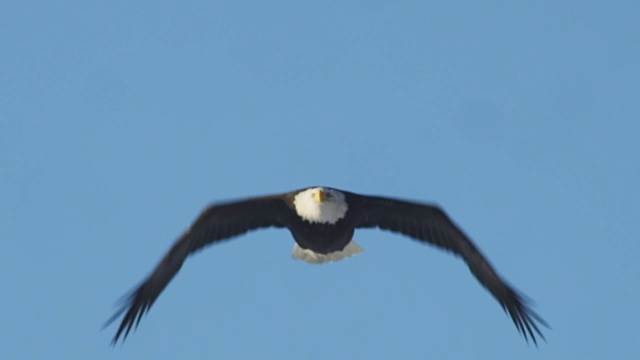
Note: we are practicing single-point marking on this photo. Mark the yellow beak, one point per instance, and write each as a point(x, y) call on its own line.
point(319, 196)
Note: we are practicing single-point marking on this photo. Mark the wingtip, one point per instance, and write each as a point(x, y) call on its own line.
point(526, 320)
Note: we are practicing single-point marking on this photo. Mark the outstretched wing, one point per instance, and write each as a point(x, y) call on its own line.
point(215, 223)
point(428, 223)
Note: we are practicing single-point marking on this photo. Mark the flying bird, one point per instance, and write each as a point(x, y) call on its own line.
point(322, 221)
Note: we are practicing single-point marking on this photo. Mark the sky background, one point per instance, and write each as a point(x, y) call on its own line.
point(120, 121)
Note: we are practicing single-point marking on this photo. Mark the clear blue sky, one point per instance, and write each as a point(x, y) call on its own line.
point(120, 121)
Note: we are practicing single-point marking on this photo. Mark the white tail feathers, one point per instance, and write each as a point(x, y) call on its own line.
point(315, 258)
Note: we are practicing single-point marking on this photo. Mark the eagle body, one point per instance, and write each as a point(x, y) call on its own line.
point(323, 222)
point(322, 234)
point(322, 238)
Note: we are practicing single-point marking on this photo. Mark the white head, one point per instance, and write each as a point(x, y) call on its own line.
point(321, 205)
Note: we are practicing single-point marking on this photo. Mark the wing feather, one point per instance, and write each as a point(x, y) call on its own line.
point(429, 224)
point(215, 223)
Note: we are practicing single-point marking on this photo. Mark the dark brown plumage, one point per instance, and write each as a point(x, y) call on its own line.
point(322, 222)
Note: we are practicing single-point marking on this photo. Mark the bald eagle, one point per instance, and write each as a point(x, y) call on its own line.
point(322, 221)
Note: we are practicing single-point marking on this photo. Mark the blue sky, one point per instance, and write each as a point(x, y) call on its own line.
point(120, 121)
